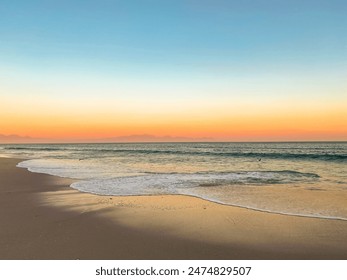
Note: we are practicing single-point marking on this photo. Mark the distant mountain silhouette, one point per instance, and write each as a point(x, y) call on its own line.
point(14, 138)
point(153, 138)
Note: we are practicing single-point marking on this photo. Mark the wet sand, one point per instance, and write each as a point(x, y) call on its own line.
point(41, 217)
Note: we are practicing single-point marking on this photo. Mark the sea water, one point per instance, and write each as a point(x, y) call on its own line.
point(304, 179)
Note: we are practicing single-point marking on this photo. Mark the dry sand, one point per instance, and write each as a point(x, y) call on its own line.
point(41, 217)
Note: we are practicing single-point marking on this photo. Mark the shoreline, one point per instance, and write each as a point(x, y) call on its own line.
point(218, 203)
point(44, 218)
point(337, 218)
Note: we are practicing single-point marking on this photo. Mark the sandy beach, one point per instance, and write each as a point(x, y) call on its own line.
point(41, 217)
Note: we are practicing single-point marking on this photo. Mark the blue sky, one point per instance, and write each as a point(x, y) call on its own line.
point(191, 35)
point(196, 50)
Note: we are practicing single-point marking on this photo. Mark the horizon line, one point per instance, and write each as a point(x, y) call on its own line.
point(173, 142)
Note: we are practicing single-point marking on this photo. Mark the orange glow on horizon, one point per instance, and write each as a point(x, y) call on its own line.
point(226, 120)
point(328, 126)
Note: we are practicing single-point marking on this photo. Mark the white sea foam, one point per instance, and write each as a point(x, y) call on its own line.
point(172, 183)
point(191, 184)
point(75, 168)
point(115, 178)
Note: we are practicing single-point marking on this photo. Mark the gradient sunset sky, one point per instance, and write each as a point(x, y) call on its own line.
point(227, 70)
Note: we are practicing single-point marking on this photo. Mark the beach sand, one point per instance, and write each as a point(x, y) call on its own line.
point(41, 217)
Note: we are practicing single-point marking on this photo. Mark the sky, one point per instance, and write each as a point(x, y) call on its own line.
point(224, 70)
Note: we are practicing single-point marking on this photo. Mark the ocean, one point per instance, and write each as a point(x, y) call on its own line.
point(301, 179)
